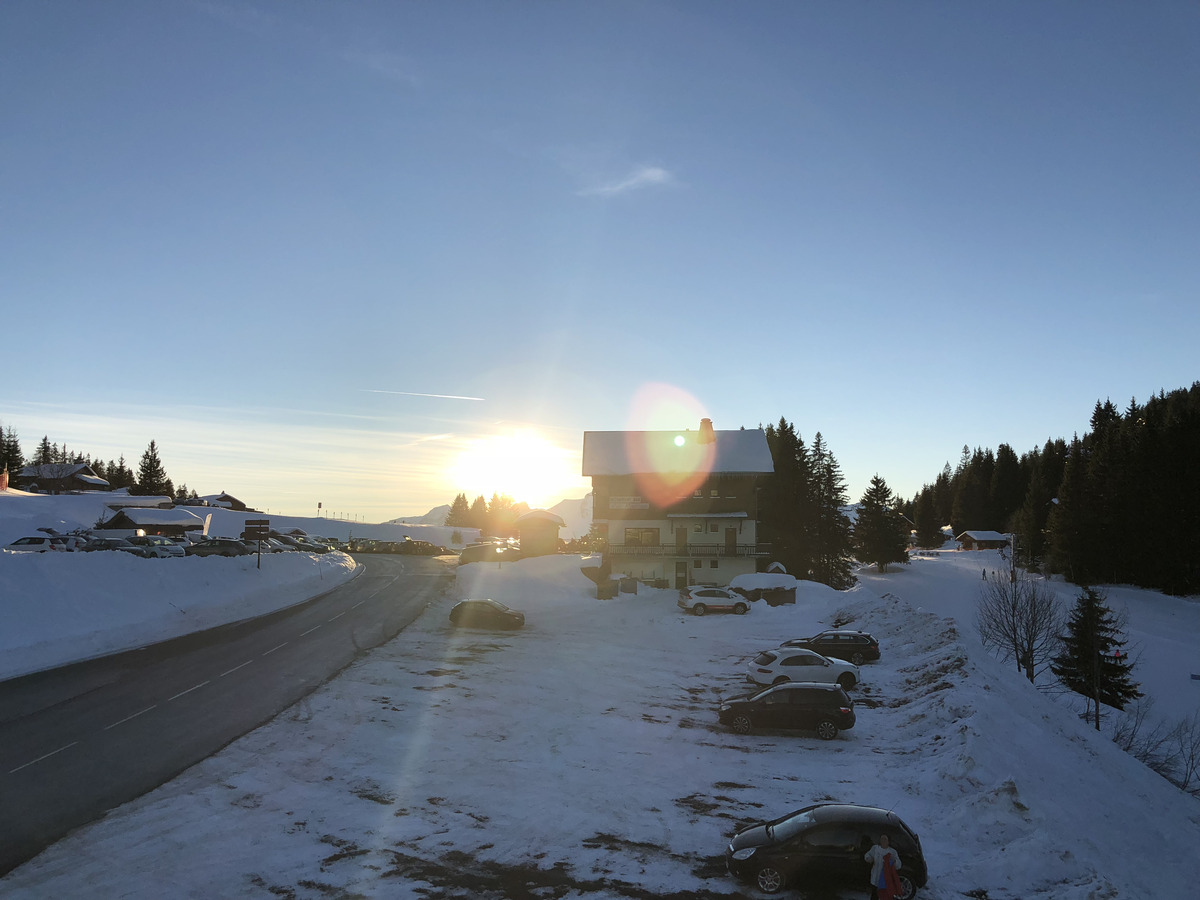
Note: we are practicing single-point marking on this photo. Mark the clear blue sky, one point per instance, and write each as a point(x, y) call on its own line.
point(262, 233)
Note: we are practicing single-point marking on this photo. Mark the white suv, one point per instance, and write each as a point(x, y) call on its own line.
point(790, 664)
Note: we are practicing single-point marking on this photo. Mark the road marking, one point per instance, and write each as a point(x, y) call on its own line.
point(235, 668)
point(273, 649)
point(188, 691)
point(127, 718)
point(339, 615)
point(358, 604)
point(311, 630)
point(40, 758)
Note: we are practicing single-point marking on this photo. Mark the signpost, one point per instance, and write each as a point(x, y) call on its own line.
point(257, 530)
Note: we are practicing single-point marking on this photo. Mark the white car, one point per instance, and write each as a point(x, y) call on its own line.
point(45, 543)
point(155, 546)
point(701, 600)
point(791, 664)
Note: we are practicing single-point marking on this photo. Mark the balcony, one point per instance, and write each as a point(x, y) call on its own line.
point(687, 551)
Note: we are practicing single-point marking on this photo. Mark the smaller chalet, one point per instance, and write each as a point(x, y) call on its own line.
point(58, 478)
point(226, 501)
point(170, 522)
point(982, 540)
point(538, 531)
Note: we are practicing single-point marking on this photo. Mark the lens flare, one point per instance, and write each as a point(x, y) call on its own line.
point(669, 463)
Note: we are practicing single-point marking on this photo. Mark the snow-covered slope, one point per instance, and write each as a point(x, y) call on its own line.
point(581, 757)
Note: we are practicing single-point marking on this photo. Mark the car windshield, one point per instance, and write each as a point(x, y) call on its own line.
point(787, 828)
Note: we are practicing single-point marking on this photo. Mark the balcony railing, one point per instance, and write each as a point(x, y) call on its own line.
point(687, 551)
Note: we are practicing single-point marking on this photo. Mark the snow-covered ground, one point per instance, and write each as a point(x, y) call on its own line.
point(580, 757)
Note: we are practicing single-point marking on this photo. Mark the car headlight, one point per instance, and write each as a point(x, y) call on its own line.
point(744, 853)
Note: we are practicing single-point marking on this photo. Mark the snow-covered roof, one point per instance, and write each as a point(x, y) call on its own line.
point(983, 536)
point(143, 516)
point(544, 515)
point(634, 452)
point(764, 581)
point(90, 479)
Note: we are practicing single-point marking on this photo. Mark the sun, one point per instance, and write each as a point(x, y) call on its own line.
point(522, 464)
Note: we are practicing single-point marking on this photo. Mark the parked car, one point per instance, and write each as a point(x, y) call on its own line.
point(823, 708)
point(485, 614)
point(420, 548)
point(155, 546)
point(219, 547)
point(701, 600)
point(824, 845)
point(788, 664)
point(111, 544)
point(46, 543)
point(853, 646)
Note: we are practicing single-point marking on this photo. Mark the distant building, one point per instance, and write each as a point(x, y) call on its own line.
point(982, 540)
point(538, 532)
point(171, 522)
point(678, 505)
point(57, 478)
point(226, 501)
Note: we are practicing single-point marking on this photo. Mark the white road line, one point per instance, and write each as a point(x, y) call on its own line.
point(381, 587)
point(127, 718)
point(311, 630)
point(235, 668)
point(273, 649)
point(339, 615)
point(40, 758)
point(188, 691)
point(358, 604)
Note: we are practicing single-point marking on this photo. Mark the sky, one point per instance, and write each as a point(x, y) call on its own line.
point(371, 255)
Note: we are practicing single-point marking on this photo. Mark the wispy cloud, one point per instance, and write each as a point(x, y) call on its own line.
point(639, 178)
point(416, 394)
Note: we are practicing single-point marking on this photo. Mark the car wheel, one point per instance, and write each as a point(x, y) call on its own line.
point(908, 890)
point(699, 609)
point(741, 724)
point(770, 880)
point(847, 681)
point(857, 658)
point(739, 609)
point(826, 730)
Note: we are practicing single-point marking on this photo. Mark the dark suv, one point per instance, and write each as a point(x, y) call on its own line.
point(824, 845)
point(853, 646)
point(823, 708)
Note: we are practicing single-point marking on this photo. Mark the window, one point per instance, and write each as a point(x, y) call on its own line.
point(712, 563)
point(641, 537)
point(696, 563)
point(714, 493)
point(698, 493)
point(713, 527)
point(698, 528)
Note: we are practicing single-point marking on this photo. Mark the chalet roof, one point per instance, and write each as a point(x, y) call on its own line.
point(542, 515)
point(637, 452)
point(144, 516)
point(983, 536)
point(59, 471)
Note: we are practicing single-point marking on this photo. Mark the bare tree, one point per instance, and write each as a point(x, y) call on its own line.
point(1019, 619)
point(1147, 740)
point(1185, 738)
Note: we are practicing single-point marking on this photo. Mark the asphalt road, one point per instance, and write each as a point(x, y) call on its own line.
point(79, 740)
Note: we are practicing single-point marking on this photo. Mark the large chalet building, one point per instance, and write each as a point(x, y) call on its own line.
point(678, 505)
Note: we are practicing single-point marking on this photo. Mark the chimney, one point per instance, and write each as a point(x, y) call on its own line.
point(706, 433)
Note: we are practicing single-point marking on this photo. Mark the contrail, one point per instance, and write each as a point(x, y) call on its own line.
point(415, 394)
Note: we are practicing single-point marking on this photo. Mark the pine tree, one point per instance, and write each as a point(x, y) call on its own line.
point(502, 517)
point(152, 478)
point(1091, 663)
point(459, 515)
point(929, 531)
point(10, 451)
point(785, 502)
point(479, 516)
point(880, 534)
point(45, 452)
point(832, 537)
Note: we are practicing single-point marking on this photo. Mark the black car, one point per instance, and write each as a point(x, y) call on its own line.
point(218, 547)
point(823, 708)
point(853, 646)
point(111, 544)
point(824, 845)
point(485, 614)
